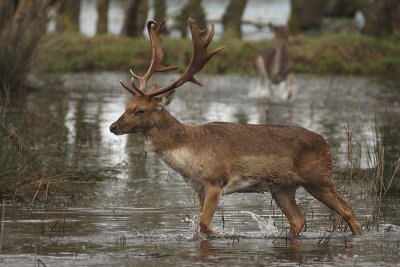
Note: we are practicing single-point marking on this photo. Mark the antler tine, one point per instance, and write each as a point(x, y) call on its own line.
point(209, 39)
point(156, 59)
point(140, 92)
point(199, 59)
point(127, 88)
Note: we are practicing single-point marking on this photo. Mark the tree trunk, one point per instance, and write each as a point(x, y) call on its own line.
point(381, 17)
point(232, 19)
point(194, 10)
point(135, 18)
point(341, 8)
point(68, 15)
point(160, 10)
point(102, 22)
point(306, 15)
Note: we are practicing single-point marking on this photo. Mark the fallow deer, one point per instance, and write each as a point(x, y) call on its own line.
point(220, 158)
point(275, 63)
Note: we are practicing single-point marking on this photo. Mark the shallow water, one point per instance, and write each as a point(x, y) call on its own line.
point(146, 214)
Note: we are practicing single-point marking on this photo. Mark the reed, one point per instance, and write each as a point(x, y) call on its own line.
point(383, 154)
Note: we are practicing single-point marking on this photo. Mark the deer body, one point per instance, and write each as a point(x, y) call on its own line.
point(275, 63)
point(221, 158)
point(217, 153)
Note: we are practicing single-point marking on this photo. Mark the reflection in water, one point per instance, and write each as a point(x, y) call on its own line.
point(147, 204)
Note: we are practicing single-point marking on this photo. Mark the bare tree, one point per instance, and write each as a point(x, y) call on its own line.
point(232, 18)
point(194, 10)
point(381, 17)
point(160, 11)
point(102, 10)
point(340, 8)
point(306, 14)
point(68, 15)
point(135, 18)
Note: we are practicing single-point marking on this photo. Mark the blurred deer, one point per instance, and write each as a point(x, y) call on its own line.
point(275, 63)
point(220, 158)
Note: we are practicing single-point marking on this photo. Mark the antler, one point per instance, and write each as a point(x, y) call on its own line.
point(199, 59)
point(156, 60)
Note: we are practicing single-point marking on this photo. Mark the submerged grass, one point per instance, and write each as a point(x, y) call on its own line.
point(344, 53)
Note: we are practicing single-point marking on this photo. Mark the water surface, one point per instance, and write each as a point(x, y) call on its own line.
point(145, 214)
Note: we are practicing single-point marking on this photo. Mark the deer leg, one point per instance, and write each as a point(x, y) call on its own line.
point(201, 199)
point(211, 199)
point(262, 81)
point(289, 83)
point(330, 198)
point(286, 201)
point(271, 91)
point(260, 65)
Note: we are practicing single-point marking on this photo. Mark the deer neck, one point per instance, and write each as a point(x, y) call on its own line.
point(167, 133)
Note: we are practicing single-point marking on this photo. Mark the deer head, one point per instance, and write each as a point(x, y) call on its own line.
point(281, 32)
point(144, 110)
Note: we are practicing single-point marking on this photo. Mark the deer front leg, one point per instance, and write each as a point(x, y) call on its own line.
point(211, 198)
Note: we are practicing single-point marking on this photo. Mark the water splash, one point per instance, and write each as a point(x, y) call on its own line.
point(266, 226)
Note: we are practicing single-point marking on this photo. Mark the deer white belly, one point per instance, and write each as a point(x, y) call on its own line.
point(186, 162)
point(260, 174)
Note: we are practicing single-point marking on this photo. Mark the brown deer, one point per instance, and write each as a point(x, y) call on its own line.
point(275, 63)
point(220, 158)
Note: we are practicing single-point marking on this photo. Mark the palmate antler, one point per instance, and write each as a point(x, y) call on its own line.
point(199, 59)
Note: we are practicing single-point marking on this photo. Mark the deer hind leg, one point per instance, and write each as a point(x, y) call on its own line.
point(271, 89)
point(286, 201)
point(261, 70)
point(210, 204)
point(327, 195)
point(289, 84)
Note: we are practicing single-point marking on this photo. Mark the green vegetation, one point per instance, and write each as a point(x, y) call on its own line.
point(345, 53)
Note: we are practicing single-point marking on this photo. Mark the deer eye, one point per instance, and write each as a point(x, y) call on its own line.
point(139, 112)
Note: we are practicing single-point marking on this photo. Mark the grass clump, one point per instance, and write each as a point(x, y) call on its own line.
point(343, 53)
point(35, 157)
point(383, 156)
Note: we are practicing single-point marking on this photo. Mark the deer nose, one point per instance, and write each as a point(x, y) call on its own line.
point(113, 127)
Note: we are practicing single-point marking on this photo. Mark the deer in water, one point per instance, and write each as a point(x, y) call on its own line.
point(220, 158)
point(275, 63)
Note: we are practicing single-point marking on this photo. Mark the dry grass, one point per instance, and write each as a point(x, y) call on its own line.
point(36, 160)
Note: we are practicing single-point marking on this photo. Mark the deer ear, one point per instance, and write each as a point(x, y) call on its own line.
point(166, 99)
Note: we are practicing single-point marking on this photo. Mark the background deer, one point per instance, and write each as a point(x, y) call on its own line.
point(221, 158)
point(275, 63)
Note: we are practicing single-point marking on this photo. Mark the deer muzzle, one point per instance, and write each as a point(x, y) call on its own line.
point(114, 128)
